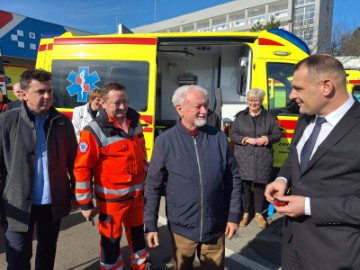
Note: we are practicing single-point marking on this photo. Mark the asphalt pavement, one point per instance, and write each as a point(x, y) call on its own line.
point(78, 246)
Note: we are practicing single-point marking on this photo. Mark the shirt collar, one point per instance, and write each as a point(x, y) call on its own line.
point(334, 117)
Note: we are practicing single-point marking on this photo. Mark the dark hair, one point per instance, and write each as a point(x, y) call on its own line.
point(323, 63)
point(96, 93)
point(111, 86)
point(34, 74)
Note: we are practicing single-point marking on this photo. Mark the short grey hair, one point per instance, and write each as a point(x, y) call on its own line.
point(256, 92)
point(179, 94)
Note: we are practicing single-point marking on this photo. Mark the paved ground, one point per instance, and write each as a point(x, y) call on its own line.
point(78, 246)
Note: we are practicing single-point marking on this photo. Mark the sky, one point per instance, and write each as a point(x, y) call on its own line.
point(102, 16)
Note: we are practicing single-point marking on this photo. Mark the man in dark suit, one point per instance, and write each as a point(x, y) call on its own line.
point(322, 211)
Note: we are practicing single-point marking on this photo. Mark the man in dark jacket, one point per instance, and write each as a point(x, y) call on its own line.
point(19, 93)
point(37, 152)
point(203, 185)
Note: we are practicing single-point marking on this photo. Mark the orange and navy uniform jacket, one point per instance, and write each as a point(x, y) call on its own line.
point(116, 159)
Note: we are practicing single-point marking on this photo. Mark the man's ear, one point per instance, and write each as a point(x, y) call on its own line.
point(102, 102)
point(179, 110)
point(24, 95)
point(327, 87)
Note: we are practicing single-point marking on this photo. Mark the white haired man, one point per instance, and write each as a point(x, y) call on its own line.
point(203, 186)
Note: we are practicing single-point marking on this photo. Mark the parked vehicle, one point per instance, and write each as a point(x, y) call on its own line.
point(153, 65)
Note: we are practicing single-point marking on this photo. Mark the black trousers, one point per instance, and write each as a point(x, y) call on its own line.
point(259, 197)
point(18, 245)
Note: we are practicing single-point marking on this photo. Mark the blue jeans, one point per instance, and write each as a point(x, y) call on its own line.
point(18, 245)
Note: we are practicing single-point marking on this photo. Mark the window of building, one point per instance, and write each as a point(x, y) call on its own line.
point(304, 19)
point(236, 23)
point(219, 24)
point(303, 2)
point(256, 14)
point(237, 19)
point(203, 27)
point(188, 28)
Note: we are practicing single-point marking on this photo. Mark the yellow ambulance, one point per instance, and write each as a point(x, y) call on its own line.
point(153, 65)
point(353, 82)
point(13, 73)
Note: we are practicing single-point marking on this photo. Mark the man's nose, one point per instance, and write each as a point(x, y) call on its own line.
point(292, 94)
point(48, 95)
point(203, 110)
point(122, 106)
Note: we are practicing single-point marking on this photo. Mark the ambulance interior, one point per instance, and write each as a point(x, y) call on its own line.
point(222, 69)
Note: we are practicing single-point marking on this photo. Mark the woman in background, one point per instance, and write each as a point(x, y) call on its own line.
point(83, 115)
point(254, 131)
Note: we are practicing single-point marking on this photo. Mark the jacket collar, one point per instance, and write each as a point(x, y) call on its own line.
point(131, 115)
point(185, 131)
point(25, 112)
point(247, 111)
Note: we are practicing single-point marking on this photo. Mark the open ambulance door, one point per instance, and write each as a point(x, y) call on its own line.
point(279, 78)
point(82, 64)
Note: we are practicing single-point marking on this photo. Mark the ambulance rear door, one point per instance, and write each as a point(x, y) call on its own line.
point(82, 64)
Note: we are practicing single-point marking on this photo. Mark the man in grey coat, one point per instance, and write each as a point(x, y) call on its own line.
point(37, 152)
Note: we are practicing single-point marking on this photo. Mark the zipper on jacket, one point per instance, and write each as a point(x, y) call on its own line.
point(201, 191)
point(172, 197)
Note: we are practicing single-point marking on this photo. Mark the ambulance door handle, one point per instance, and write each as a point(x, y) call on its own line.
point(145, 125)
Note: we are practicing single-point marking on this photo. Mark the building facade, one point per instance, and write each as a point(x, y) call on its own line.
point(19, 39)
point(311, 20)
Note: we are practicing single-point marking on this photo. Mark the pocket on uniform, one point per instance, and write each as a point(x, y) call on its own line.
point(105, 218)
point(119, 148)
point(105, 225)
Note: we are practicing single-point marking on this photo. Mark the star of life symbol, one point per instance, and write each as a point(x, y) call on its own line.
point(83, 147)
point(82, 83)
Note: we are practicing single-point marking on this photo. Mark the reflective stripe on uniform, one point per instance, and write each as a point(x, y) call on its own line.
point(139, 257)
point(118, 265)
point(83, 185)
point(119, 192)
point(83, 191)
point(83, 196)
point(104, 141)
point(138, 128)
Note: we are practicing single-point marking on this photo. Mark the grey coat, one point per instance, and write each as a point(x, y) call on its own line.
point(17, 165)
point(255, 162)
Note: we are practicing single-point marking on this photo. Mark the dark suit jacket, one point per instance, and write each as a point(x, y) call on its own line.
point(330, 237)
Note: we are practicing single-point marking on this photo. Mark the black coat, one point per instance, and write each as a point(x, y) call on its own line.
point(255, 162)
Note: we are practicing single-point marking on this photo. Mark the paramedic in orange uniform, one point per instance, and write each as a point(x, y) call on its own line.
point(113, 147)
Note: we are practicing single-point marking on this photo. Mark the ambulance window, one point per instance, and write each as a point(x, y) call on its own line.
point(74, 80)
point(356, 92)
point(279, 77)
point(131, 78)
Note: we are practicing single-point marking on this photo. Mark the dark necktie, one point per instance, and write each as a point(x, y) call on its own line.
point(309, 144)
